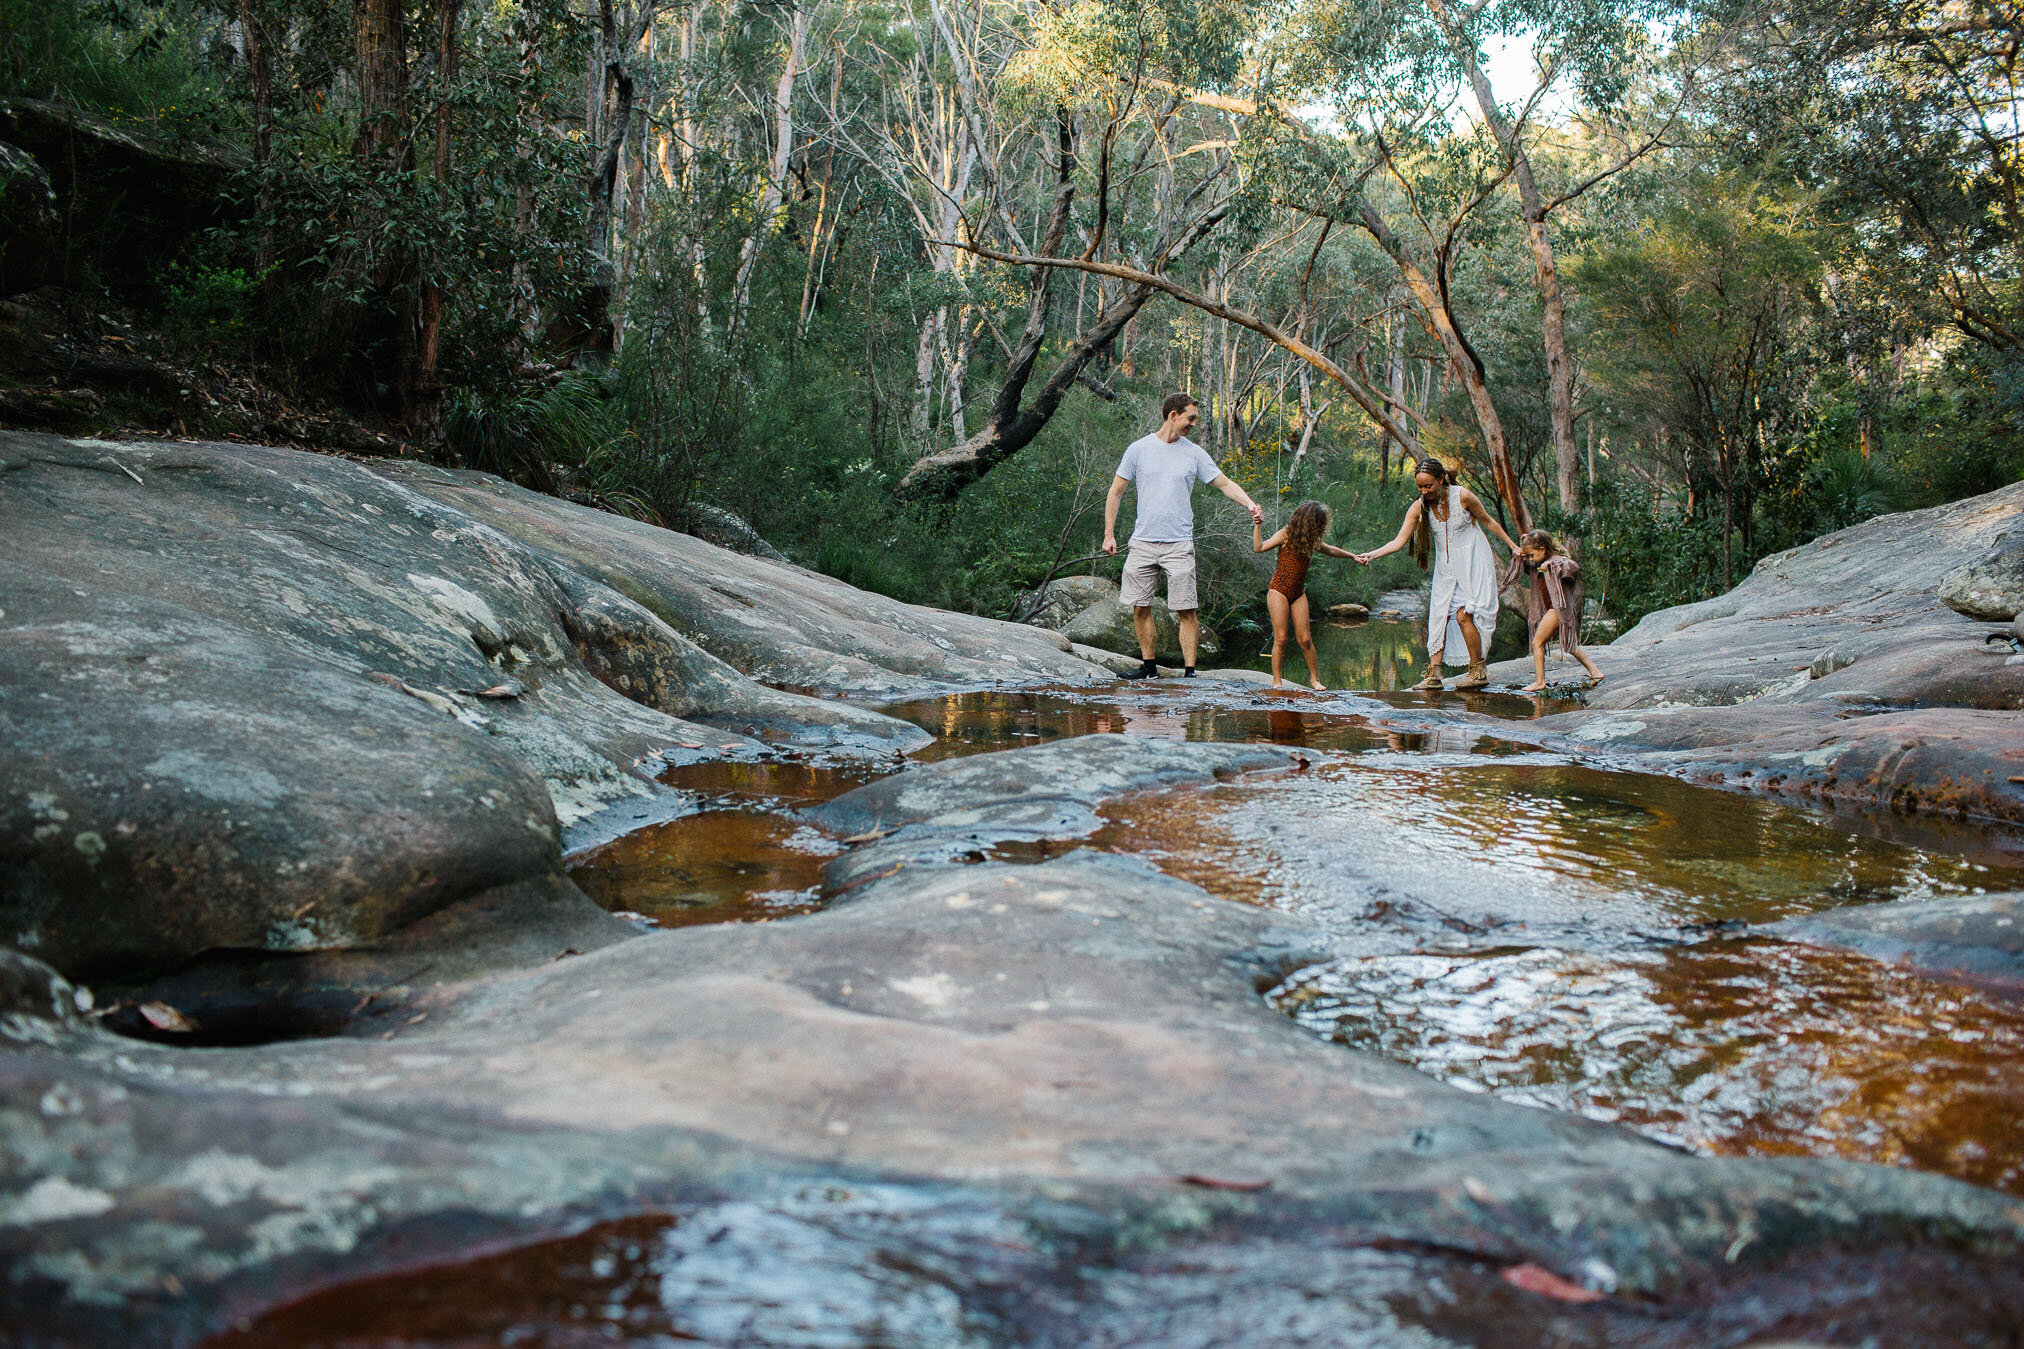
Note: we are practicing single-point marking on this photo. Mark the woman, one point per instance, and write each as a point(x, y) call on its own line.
point(1450, 524)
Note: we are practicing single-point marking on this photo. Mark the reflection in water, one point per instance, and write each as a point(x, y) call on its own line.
point(1556, 935)
point(1380, 653)
point(977, 723)
point(715, 867)
point(773, 780)
point(1727, 1047)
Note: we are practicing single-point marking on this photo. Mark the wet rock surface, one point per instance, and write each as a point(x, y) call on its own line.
point(962, 810)
point(1067, 1064)
point(1834, 671)
point(1977, 939)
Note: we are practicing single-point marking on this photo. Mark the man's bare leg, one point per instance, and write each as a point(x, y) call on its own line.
point(1142, 624)
point(1191, 634)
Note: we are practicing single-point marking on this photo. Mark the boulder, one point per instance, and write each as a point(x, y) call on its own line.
point(1410, 603)
point(1992, 586)
point(1348, 612)
point(29, 221)
point(1087, 611)
point(1977, 939)
point(1063, 598)
point(1833, 672)
point(265, 701)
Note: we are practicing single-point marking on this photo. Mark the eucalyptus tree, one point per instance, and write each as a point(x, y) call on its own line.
point(1709, 304)
point(1907, 115)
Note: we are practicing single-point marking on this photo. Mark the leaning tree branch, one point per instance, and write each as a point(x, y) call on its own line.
point(1361, 396)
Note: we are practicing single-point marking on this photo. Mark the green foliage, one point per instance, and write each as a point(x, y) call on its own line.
point(155, 65)
point(1641, 553)
point(208, 309)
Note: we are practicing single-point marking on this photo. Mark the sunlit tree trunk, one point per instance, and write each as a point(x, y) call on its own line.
point(767, 210)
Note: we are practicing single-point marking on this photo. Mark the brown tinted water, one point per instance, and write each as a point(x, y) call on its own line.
point(717, 866)
point(1504, 920)
point(1576, 939)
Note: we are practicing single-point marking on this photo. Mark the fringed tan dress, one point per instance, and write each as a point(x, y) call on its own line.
point(1556, 585)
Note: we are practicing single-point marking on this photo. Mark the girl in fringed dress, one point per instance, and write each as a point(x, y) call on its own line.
point(1552, 602)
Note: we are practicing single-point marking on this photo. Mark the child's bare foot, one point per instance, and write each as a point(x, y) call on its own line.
point(1533, 687)
point(1318, 686)
point(1277, 685)
point(1594, 678)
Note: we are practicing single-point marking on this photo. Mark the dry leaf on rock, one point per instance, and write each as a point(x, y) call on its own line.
point(164, 1017)
point(1546, 1283)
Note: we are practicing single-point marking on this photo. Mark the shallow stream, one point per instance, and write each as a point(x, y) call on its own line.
point(1504, 919)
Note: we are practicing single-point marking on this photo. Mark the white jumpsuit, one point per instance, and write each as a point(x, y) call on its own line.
point(1465, 577)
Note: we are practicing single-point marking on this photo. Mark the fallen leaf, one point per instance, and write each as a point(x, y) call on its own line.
point(1227, 1183)
point(164, 1017)
point(1546, 1283)
point(728, 748)
point(498, 691)
point(871, 835)
point(691, 744)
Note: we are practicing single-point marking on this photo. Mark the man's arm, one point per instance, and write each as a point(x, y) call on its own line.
point(1222, 484)
point(1110, 505)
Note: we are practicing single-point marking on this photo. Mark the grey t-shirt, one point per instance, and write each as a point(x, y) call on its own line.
point(1166, 475)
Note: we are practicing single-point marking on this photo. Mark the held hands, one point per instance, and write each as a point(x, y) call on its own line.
point(1257, 514)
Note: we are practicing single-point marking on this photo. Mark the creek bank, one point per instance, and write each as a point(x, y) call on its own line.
point(1833, 673)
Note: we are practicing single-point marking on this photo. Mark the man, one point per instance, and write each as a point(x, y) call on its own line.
point(1166, 465)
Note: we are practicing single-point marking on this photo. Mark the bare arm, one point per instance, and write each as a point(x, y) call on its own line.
point(1222, 484)
point(1485, 519)
point(1110, 505)
point(1260, 544)
point(1332, 550)
point(1405, 533)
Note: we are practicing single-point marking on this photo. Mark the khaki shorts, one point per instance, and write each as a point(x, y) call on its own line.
point(1142, 566)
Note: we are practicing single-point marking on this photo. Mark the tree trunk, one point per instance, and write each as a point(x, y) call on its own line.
point(1440, 323)
point(428, 387)
point(1545, 272)
point(771, 195)
point(260, 74)
point(382, 68)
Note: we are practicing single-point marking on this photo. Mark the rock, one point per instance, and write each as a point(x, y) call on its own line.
point(1064, 597)
point(1977, 939)
point(1832, 673)
point(131, 200)
point(1992, 586)
point(778, 624)
point(1058, 1079)
point(1114, 661)
point(1087, 611)
point(716, 525)
point(956, 809)
point(29, 221)
point(239, 692)
point(1409, 603)
point(1348, 612)
point(31, 991)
